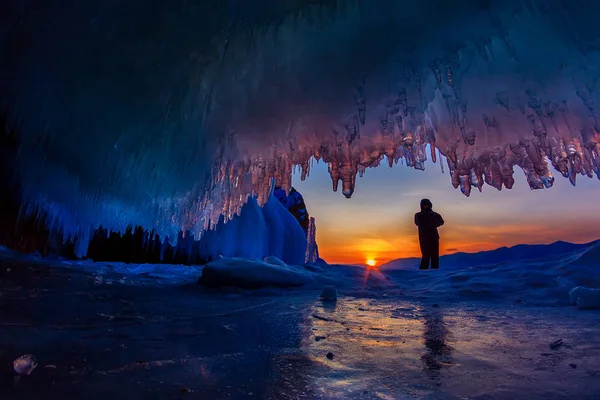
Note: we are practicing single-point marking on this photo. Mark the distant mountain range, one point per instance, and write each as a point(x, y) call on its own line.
point(500, 255)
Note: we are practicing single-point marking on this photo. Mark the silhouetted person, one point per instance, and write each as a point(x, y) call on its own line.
point(428, 221)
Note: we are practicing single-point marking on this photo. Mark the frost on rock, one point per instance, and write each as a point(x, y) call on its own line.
point(294, 202)
point(176, 127)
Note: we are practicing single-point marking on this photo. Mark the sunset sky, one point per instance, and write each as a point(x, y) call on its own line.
point(377, 222)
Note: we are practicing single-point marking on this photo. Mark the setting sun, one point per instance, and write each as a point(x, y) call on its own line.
point(371, 262)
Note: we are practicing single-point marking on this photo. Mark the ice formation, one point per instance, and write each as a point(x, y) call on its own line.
point(257, 233)
point(312, 248)
point(173, 114)
point(251, 274)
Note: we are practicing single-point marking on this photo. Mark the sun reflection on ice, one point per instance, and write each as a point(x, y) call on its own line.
point(374, 346)
point(387, 348)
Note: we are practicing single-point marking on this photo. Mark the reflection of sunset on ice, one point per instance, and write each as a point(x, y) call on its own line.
point(393, 332)
point(391, 349)
point(373, 275)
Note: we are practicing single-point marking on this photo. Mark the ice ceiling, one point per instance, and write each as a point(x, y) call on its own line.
point(170, 113)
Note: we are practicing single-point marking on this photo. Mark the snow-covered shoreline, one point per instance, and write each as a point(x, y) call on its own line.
point(533, 279)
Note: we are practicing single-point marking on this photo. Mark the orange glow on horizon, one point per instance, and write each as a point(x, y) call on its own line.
point(378, 223)
point(351, 249)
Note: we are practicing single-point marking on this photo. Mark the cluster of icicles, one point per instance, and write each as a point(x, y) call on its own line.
point(405, 135)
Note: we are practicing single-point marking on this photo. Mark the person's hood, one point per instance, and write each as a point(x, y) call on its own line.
point(426, 202)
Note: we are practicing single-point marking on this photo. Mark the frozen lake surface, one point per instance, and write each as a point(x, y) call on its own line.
point(103, 333)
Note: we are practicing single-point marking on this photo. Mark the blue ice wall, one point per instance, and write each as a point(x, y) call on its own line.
point(256, 233)
point(112, 102)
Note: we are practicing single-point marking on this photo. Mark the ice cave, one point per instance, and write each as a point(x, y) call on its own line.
point(170, 115)
point(168, 131)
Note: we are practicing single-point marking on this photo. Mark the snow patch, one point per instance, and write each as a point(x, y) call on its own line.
point(274, 261)
point(567, 274)
point(584, 297)
point(251, 274)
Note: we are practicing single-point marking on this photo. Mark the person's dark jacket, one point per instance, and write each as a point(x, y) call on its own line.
point(428, 221)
